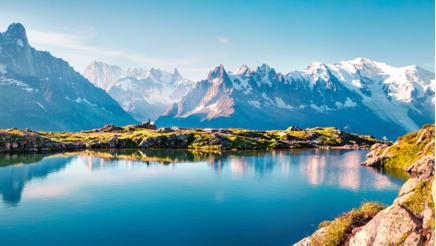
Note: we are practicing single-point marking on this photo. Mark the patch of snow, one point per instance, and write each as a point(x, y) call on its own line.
point(254, 103)
point(5, 81)
point(321, 108)
point(89, 103)
point(20, 42)
point(281, 104)
point(347, 104)
point(268, 100)
point(84, 100)
point(41, 106)
point(244, 69)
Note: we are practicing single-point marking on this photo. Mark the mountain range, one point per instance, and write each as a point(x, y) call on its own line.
point(42, 92)
point(143, 93)
point(359, 95)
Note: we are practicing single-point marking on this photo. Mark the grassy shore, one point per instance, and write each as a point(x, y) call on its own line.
point(135, 136)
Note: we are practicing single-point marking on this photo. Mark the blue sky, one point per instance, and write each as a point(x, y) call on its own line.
point(196, 36)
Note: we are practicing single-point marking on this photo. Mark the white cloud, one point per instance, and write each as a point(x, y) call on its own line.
point(223, 40)
point(78, 51)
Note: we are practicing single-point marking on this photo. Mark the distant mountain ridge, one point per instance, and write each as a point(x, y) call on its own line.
point(144, 93)
point(41, 92)
point(359, 95)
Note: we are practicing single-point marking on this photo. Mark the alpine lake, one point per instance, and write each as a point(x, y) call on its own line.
point(133, 197)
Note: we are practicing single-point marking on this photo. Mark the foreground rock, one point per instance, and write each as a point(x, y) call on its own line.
point(410, 219)
point(145, 136)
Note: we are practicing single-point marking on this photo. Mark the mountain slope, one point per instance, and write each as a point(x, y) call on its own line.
point(145, 94)
point(360, 95)
point(42, 92)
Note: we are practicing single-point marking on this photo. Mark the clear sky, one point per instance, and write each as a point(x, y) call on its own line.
point(196, 36)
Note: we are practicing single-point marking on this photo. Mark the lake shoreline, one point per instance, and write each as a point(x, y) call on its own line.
point(145, 137)
point(409, 220)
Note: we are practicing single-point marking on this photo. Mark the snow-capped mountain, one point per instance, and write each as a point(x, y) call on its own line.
point(359, 95)
point(144, 93)
point(41, 92)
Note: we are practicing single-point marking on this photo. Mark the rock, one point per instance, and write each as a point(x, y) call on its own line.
point(109, 128)
point(145, 125)
point(294, 128)
point(407, 190)
point(377, 155)
point(165, 130)
point(147, 143)
point(113, 142)
point(220, 140)
point(428, 215)
point(307, 241)
point(414, 238)
point(388, 227)
point(278, 144)
point(422, 168)
point(423, 135)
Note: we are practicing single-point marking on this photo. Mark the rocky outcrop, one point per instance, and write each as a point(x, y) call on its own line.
point(410, 219)
point(14, 140)
point(377, 155)
point(423, 168)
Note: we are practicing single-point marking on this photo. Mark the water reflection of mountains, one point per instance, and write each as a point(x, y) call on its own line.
point(336, 167)
point(16, 170)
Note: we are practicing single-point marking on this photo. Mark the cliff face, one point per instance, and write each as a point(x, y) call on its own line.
point(410, 219)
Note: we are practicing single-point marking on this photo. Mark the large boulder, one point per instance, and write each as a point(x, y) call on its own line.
point(392, 226)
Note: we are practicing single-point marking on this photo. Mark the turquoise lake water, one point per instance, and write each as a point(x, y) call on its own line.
point(182, 198)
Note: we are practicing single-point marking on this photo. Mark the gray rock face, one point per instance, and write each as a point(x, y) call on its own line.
point(423, 168)
point(41, 92)
point(377, 155)
point(389, 227)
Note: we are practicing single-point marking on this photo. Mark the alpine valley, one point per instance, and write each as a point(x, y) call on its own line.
point(39, 91)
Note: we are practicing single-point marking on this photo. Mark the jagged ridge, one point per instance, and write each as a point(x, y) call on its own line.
point(360, 95)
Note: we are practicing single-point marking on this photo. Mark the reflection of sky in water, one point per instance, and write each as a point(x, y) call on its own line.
point(251, 197)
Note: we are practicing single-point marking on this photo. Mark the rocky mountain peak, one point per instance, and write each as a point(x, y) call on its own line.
point(176, 73)
point(17, 32)
point(218, 73)
point(243, 70)
point(265, 69)
point(43, 88)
